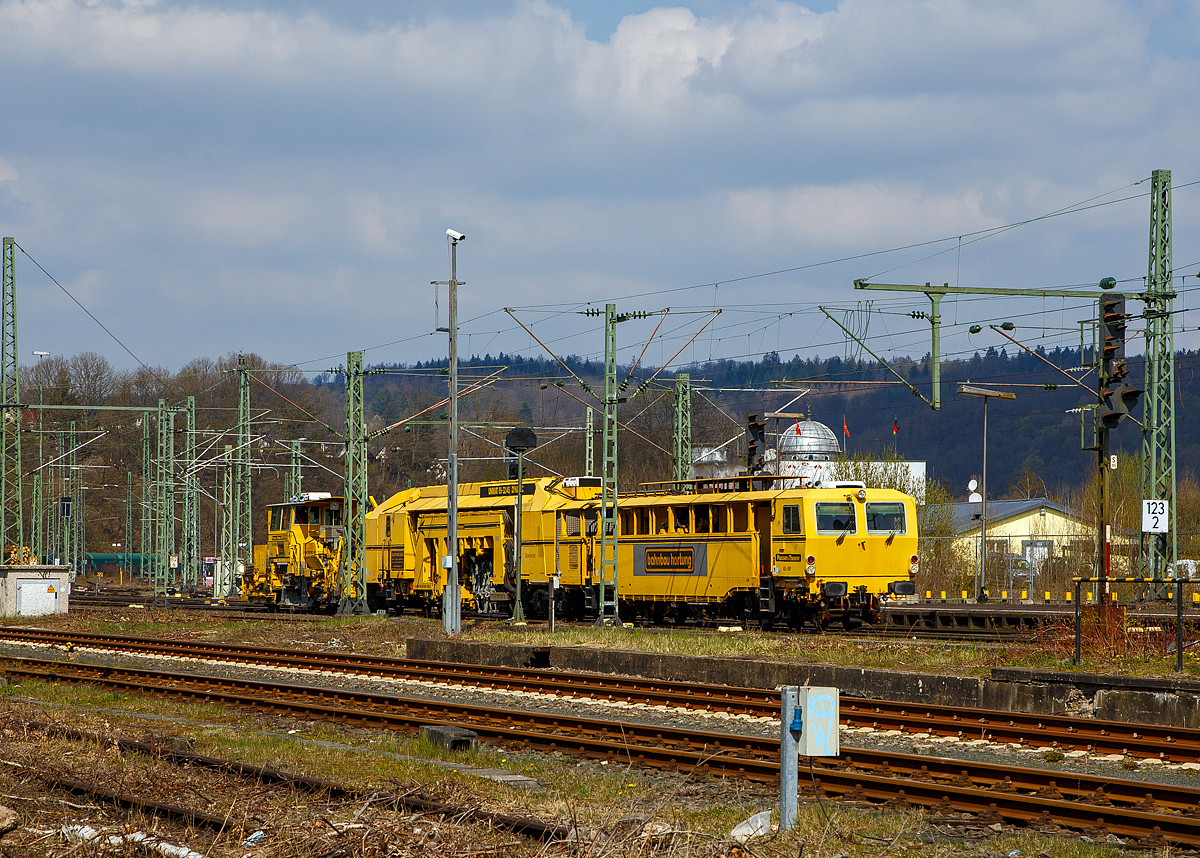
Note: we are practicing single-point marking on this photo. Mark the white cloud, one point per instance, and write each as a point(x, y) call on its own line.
point(855, 215)
point(155, 143)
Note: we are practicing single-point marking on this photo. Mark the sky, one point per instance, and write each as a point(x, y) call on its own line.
point(208, 177)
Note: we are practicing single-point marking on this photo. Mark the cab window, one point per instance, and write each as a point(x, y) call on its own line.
point(885, 518)
point(643, 521)
point(333, 517)
point(681, 519)
point(387, 528)
point(660, 519)
point(302, 515)
point(276, 519)
point(700, 513)
point(718, 519)
point(740, 513)
point(836, 518)
point(791, 520)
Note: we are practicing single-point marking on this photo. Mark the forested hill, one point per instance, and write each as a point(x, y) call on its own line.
point(1035, 433)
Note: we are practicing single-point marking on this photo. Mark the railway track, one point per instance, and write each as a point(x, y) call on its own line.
point(1153, 814)
point(1041, 731)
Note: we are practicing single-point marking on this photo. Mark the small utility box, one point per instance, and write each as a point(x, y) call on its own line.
point(820, 711)
point(34, 591)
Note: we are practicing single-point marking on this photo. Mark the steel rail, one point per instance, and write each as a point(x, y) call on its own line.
point(521, 825)
point(1013, 793)
point(1053, 731)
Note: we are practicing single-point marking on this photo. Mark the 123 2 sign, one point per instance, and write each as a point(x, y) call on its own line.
point(1155, 516)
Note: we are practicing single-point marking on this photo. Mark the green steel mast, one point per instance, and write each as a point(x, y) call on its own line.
point(223, 579)
point(352, 575)
point(12, 518)
point(607, 611)
point(189, 553)
point(1158, 420)
point(164, 512)
point(146, 515)
point(293, 478)
point(681, 455)
point(244, 523)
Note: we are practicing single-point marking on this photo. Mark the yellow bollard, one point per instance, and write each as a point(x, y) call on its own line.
point(1088, 598)
point(1003, 594)
point(964, 595)
point(1067, 595)
point(1047, 595)
point(1024, 594)
point(928, 595)
point(943, 595)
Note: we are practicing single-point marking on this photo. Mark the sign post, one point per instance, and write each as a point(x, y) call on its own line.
point(809, 725)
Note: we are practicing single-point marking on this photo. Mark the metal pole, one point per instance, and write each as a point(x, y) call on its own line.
point(1178, 624)
point(935, 356)
point(128, 520)
point(553, 593)
point(983, 511)
point(451, 599)
point(1077, 623)
point(39, 487)
point(681, 455)
point(789, 757)
point(518, 608)
point(590, 444)
point(12, 518)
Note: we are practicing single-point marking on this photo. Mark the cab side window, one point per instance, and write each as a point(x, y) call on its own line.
point(836, 518)
point(302, 515)
point(791, 520)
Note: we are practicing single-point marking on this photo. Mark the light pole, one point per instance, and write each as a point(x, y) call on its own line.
point(451, 597)
point(519, 440)
point(39, 494)
point(985, 394)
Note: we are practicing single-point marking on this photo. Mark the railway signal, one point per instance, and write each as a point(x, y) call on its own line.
point(756, 442)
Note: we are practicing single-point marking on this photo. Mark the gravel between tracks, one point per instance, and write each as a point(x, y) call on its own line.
point(1150, 771)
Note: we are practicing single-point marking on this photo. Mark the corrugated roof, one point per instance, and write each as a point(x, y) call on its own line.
point(964, 520)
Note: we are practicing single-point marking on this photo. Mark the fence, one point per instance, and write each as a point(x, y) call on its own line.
point(1041, 567)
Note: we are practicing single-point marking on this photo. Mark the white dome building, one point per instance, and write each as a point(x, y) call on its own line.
point(803, 449)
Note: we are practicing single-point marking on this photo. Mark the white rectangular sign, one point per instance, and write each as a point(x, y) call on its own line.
point(820, 710)
point(1155, 516)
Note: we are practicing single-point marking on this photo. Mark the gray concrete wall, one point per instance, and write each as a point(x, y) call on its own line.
point(1150, 701)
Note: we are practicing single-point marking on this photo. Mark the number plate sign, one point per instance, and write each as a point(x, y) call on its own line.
point(1155, 516)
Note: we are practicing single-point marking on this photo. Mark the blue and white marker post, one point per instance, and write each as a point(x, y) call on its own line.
point(809, 726)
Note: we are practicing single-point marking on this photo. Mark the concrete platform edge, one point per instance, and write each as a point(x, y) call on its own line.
point(1148, 701)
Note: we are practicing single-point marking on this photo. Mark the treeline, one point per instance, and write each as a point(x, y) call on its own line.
point(1033, 441)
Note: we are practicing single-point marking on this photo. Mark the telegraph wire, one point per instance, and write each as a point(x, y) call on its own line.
point(116, 339)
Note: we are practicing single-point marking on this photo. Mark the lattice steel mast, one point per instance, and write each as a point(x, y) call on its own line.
point(681, 454)
point(352, 577)
point(243, 524)
point(189, 551)
point(1158, 421)
point(164, 495)
point(12, 513)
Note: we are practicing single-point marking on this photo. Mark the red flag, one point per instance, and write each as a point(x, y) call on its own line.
point(845, 428)
point(896, 426)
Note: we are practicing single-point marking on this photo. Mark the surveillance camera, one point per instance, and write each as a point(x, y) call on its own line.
point(455, 236)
